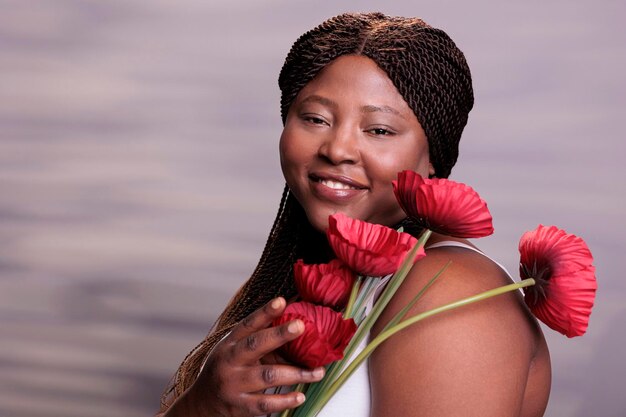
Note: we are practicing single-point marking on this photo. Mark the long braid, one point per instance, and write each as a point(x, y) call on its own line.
point(428, 70)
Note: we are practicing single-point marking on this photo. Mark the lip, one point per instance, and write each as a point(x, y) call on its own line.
point(316, 176)
point(335, 195)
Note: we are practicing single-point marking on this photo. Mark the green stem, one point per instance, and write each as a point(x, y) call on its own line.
point(402, 325)
point(361, 299)
point(353, 293)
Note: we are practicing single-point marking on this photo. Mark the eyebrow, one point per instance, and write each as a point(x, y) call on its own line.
point(382, 109)
point(321, 100)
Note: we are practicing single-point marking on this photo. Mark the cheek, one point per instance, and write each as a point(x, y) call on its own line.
point(285, 156)
point(282, 149)
point(292, 156)
point(422, 164)
point(388, 165)
point(418, 158)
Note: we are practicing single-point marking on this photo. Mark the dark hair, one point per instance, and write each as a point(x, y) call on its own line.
point(431, 74)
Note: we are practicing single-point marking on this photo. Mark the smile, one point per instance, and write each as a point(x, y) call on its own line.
point(336, 185)
point(336, 189)
point(336, 182)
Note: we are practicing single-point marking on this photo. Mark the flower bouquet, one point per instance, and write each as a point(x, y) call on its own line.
point(336, 298)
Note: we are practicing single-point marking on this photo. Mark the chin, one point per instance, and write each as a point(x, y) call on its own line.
point(318, 216)
point(319, 221)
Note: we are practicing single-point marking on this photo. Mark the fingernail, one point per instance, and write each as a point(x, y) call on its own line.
point(294, 327)
point(318, 372)
point(275, 303)
point(300, 398)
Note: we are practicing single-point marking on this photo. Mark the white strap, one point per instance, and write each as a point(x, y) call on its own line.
point(457, 244)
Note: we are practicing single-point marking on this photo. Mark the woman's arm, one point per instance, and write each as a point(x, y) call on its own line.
point(472, 361)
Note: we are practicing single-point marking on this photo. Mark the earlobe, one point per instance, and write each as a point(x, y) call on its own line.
point(431, 170)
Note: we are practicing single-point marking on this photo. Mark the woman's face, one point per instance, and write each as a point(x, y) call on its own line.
point(347, 135)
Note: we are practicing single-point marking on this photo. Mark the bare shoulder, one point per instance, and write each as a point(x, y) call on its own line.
point(466, 273)
point(451, 363)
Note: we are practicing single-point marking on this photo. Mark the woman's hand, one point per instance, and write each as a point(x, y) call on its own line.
point(244, 364)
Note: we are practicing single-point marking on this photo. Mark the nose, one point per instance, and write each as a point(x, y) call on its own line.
point(340, 146)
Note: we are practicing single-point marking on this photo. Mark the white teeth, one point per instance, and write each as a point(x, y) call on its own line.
point(337, 185)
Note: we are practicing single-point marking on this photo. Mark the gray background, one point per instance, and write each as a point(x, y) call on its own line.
point(139, 177)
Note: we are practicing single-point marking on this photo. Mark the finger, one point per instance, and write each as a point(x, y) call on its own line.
point(253, 347)
point(267, 376)
point(261, 404)
point(260, 319)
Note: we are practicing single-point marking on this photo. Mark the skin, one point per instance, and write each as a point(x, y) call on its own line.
point(346, 136)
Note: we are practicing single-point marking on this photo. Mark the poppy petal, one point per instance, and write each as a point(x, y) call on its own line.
point(326, 334)
point(369, 249)
point(326, 284)
point(443, 206)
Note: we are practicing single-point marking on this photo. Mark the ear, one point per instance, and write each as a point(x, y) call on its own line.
point(431, 170)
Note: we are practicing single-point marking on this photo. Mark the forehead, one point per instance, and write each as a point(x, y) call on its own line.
point(354, 79)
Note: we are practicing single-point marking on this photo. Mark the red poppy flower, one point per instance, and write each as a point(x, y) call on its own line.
point(369, 249)
point(326, 284)
point(326, 334)
point(565, 288)
point(443, 206)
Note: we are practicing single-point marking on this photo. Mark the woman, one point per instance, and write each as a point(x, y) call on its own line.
point(365, 96)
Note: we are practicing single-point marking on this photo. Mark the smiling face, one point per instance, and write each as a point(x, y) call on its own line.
point(347, 135)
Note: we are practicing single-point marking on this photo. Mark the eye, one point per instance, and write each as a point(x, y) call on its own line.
point(380, 131)
point(314, 119)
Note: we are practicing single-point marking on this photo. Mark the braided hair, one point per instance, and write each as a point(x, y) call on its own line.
point(432, 76)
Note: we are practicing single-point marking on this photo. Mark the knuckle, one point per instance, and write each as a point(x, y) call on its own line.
point(269, 375)
point(263, 405)
point(281, 331)
point(252, 343)
point(248, 322)
point(228, 356)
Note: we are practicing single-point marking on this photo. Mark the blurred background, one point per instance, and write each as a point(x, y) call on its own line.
point(139, 177)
